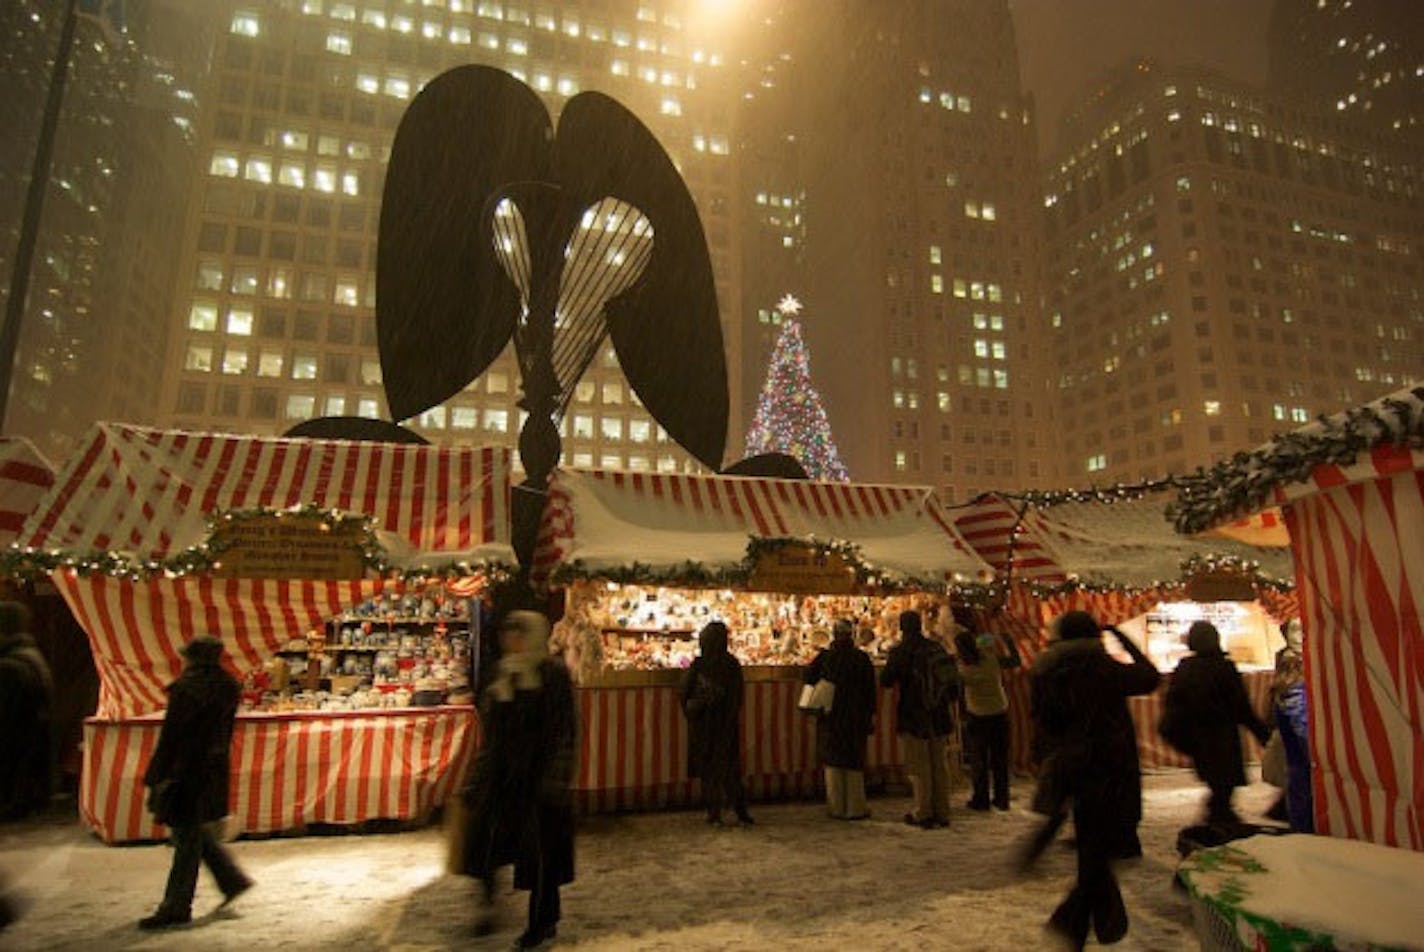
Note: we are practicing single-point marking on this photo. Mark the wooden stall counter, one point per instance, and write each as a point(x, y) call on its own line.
point(291, 769)
point(633, 738)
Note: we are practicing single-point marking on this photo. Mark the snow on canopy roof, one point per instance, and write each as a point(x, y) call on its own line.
point(1130, 543)
point(25, 475)
point(610, 521)
point(1375, 439)
point(148, 492)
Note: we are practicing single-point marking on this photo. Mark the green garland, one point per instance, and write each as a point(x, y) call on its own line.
point(691, 574)
point(1243, 484)
point(28, 563)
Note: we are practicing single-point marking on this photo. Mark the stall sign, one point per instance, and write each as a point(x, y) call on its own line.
point(802, 570)
point(269, 546)
point(1220, 587)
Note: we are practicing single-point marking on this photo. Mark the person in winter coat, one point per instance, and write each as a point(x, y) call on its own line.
point(982, 660)
point(841, 734)
point(1087, 747)
point(26, 738)
point(1206, 702)
point(188, 776)
point(519, 797)
point(1288, 703)
point(711, 697)
point(922, 723)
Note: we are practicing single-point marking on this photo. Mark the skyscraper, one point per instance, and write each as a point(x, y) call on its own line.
point(1221, 265)
point(1362, 59)
point(276, 324)
point(92, 334)
point(915, 228)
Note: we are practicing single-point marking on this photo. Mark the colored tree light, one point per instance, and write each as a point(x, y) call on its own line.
point(789, 416)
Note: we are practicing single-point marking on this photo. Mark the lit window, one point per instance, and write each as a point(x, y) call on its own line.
point(639, 431)
point(971, 209)
point(350, 183)
point(1001, 379)
point(375, 18)
point(239, 322)
point(370, 372)
point(583, 427)
point(936, 284)
point(335, 406)
point(292, 174)
point(348, 292)
point(489, 41)
point(300, 406)
point(464, 418)
point(1097, 462)
point(199, 357)
point(1212, 407)
point(269, 363)
point(210, 278)
point(325, 179)
point(981, 348)
point(612, 392)
point(900, 461)
point(338, 42)
point(897, 399)
point(367, 83)
point(517, 47)
point(343, 11)
point(367, 408)
point(611, 428)
point(671, 107)
point(942, 401)
point(584, 391)
point(304, 367)
point(988, 212)
point(567, 86)
point(398, 86)
point(461, 36)
point(245, 23)
point(331, 145)
point(936, 255)
point(610, 461)
point(619, 67)
point(496, 421)
point(244, 281)
point(234, 361)
point(432, 419)
point(224, 164)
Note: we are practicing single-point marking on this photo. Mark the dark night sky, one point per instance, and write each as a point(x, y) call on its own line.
point(1065, 44)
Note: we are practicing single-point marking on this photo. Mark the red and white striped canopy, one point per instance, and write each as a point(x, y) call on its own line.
point(149, 492)
point(1127, 543)
point(611, 520)
point(25, 476)
point(1356, 529)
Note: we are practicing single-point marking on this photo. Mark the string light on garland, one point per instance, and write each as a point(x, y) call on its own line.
point(25, 562)
point(1244, 483)
point(790, 418)
point(689, 574)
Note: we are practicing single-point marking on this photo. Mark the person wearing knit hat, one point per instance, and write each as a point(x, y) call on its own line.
point(188, 776)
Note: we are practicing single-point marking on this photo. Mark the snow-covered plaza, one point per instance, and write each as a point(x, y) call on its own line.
point(795, 880)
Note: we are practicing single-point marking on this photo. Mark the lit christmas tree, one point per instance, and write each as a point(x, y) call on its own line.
point(789, 417)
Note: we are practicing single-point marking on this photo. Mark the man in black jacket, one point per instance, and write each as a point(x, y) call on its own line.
point(923, 723)
point(188, 779)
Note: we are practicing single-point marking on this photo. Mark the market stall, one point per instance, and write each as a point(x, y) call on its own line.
point(1349, 490)
point(1113, 553)
point(331, 570)
point(646, 560)
point(25, 475)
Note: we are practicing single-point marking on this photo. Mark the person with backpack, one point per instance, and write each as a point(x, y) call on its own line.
point(929, 684)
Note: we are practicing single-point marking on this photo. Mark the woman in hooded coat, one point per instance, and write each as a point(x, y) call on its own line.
point(519, 797)
point(841, 734)
point(1206, 702)
point(712, 700)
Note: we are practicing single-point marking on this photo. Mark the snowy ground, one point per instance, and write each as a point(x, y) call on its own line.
point(796, 880)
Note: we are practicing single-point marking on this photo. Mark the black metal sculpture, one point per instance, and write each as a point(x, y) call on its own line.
point(495, 226)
